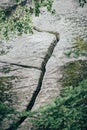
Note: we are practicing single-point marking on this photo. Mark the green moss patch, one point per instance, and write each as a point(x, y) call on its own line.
point(74, 73)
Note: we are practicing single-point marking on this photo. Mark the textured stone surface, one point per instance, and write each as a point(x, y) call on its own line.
point(22, 65)
point(29, 50)
point(70, 21)
point(26, 125)
point(23, 84)
point(6, 3)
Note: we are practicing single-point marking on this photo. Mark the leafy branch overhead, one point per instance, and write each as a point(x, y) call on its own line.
point(19, 21)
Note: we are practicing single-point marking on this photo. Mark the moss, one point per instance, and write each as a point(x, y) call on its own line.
point(74, 73)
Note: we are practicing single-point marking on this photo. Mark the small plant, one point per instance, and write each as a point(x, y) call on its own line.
point(74, 72)
point(79, 48)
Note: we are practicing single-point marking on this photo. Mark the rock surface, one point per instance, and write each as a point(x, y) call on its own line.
point(6, 3)
point(24, 66)
point(70, 21)
point(29, 55)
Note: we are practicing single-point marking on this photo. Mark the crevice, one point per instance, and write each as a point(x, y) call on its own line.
point(39, 85)
point(21, 65)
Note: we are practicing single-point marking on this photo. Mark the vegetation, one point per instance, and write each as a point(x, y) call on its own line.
point(82, 2)
point(6, 96)
point(74, 72)
point(20, 20)
point(68, 112)
point(16, 24)
point(5, 110)
point(79, 48)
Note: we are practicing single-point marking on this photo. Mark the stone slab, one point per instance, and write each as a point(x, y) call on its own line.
point(22, 82)
point(28, 50)
point(70, 21)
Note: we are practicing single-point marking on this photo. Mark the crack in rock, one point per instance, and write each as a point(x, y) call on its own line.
point(21, 65)
point(40, 81)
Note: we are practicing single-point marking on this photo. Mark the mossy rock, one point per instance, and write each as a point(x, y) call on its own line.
point(74, 73)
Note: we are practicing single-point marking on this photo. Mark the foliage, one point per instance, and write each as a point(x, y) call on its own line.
point(43, 3)
point(5, 110)
point(79, 48)
point(68, 112)
point(16, 24)
point(82, 2)
point(17, 1)
point(6, 96)
point(20, 20)
point(74, 72)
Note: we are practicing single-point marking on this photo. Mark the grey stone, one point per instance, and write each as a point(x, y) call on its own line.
point(23, 85)
point(70, 21)
point(6, 3)
point(29, 50)
point(23, 65)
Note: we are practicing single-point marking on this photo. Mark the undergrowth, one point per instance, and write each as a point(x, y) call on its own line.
point(68, 112)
